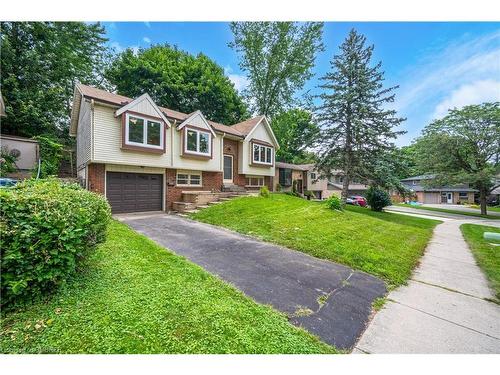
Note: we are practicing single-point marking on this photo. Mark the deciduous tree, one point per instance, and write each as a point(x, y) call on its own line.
point(296, 133)
point(40, 63)
point(277, 58)
point(463, 147)
point(179, 81)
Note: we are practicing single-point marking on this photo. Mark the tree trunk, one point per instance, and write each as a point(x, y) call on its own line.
point(482, 200)
point(345, 187)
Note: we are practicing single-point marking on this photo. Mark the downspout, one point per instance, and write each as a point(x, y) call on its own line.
point(92, 105)
point(172, 142)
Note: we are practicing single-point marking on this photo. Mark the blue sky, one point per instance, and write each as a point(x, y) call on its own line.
point(437, 65)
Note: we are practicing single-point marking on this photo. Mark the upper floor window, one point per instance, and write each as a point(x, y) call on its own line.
point(313, 176)
point(197, 142)
point(144, 132)
point(262, 154)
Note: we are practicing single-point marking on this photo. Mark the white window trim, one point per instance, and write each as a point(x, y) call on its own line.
point(250, 180)
point(189, 173)
point(265, 147)
point(145, 132)
point(198, 133)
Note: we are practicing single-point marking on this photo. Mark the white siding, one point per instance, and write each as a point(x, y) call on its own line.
point(244, 166)
point(84, 134)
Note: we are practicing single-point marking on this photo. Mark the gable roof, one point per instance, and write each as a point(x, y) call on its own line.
point(247, 127)
point(193, 115)
point(140, 99)
point(120, 100)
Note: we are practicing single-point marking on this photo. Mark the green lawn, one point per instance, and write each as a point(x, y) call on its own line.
point(133, 296)
point(487, 256)
point(384, 244)
point(451, 211)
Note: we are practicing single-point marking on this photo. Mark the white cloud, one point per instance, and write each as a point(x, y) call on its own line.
point(146, 40)
point(118, 48)
point(462, 72)
point(457, 64)
point(240, 81)
point(474, 93)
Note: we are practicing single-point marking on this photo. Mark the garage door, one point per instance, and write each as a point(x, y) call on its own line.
point(134, 192)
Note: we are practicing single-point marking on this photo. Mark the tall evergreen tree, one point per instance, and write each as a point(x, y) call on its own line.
point(357, 128)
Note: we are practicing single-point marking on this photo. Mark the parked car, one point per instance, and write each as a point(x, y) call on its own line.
point(351, 201)
point(359, 200)
point(7, 182)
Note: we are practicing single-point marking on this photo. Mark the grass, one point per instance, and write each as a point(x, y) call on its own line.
point(134, 296)
point(451, 211)
point(384, 244)
point(487, 256)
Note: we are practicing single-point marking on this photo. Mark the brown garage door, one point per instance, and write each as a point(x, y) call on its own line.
point(134, 192)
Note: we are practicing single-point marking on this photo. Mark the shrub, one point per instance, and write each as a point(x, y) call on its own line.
point(293, 194)
point(278, 188)
point(333, 202)
point(377, 198)
point(51, 154)
point(264, 192)
point(47, 227)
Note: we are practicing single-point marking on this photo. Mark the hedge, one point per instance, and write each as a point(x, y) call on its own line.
point(47, 228)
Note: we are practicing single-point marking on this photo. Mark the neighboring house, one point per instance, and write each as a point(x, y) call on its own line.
point(308, 178)
point(27, 152)
point(445, 194)
point(142, 157)
point(287, 173)
point(336, 185)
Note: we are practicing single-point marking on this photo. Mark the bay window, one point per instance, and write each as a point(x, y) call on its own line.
point(197, 142)
point(262, 154)
point(144, 132)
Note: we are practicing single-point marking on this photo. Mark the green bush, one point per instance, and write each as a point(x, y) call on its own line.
point(333, 202)
point(264, 192)
point(47, 227)
point(278, 188)
point(377, 198)
point(51, 154)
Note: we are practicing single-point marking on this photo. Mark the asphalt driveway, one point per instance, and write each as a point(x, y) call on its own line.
point(330, 300)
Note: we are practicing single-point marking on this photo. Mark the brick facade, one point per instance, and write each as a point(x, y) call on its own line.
point(231, 148)
point(211, 181)
point(96, 178)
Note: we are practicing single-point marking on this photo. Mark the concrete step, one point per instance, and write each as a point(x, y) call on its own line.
point(183, 206)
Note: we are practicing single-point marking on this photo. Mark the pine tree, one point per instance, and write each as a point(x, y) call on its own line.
point(357, 128)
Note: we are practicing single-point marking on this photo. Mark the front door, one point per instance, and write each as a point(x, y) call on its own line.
point(228, 169)
point(449, 197)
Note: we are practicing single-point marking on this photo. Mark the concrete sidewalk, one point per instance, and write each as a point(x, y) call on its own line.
point(443, 309)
